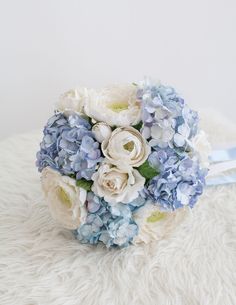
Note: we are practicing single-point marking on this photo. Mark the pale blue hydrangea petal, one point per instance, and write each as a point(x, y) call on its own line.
point(167, 120)
point(179, 140)
point(69, 146)
point(112, 225)
point(180, 180)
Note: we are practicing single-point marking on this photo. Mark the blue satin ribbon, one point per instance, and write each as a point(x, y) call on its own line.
point(223, 155)
point(229, 179)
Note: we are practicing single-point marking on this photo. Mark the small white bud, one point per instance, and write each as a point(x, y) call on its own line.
point(102, 131)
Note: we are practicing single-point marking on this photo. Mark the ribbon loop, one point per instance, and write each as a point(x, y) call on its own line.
point(222, 155)
point(222, 161)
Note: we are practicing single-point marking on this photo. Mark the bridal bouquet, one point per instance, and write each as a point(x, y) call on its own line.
point(120, 162)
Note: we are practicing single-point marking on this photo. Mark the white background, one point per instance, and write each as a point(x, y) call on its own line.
point(49, 46)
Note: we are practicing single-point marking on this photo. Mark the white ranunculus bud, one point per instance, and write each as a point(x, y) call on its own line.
point(117, 185)
point(65, 199)
point(126, 147)
point(102, 131)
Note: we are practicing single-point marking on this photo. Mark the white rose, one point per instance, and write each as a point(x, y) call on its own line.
point(65, 199)
point(72, 100)
point(116, 105)
point(117, 185)
point(155, 224)
point(102, 131)
point(202, 146)
point(126, 146)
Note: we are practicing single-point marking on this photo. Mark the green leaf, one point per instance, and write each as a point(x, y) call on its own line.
point(113, 127)
point(85, 184)
point(147, 171)
point(138, 126)
point(90, 121)
point(72, 176)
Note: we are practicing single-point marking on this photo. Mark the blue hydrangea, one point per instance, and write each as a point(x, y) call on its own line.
point(167, 120)
point(112, 225)
point(180, 180)
point(69, 146)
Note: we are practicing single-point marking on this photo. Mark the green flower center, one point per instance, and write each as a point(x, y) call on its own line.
point(156, 216)
point(64, 197)
point(118, 107)
point(129, 146)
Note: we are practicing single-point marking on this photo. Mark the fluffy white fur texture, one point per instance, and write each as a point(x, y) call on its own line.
point(41, 264)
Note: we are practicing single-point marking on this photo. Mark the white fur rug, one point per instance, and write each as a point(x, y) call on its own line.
point(42, 264)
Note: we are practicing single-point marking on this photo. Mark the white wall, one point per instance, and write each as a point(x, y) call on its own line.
point(49, 46)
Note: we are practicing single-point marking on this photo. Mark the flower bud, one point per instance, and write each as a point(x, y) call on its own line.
point(102, 131)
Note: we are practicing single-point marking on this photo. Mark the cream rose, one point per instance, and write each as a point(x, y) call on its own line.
point(72, 100)
point(202, 146)
point(116, 105)
point(64, 198)
point(116, 184)
point(102, 131)
point(126, 146)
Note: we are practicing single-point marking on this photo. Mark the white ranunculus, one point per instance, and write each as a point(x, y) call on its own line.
point(115, 105)
point(102, 131)
point(126, 147)
point(117, 185)
point(202, 146)
point(66, 200)
point(155, 224)
point(72, 100)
